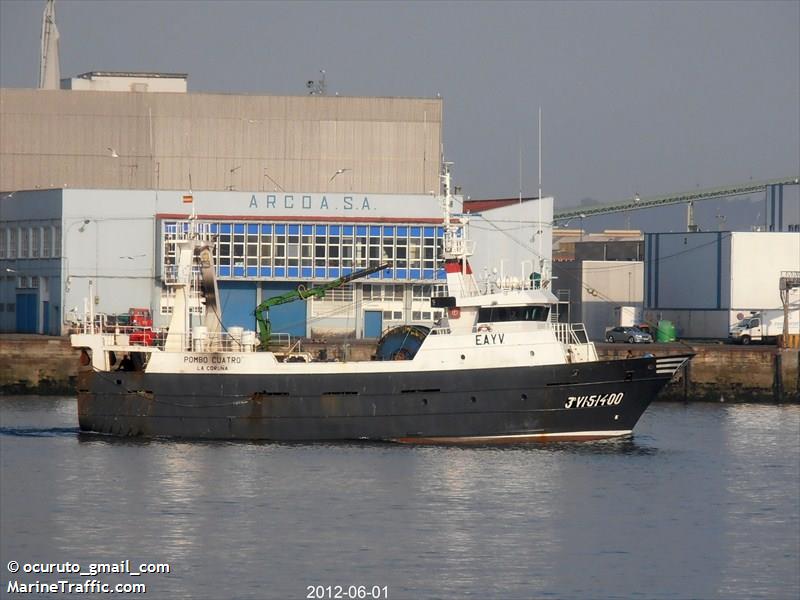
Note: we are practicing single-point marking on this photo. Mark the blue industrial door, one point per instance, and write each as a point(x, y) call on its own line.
point(27, 315)
point(373, 323)
point(286, 318)
point(238, 301)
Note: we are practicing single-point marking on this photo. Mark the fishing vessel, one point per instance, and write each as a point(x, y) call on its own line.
point(494, 369)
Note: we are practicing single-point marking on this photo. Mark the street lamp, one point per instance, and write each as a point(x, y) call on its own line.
point(230, 187)
point(338, 172)
point(67, 278)
point(275, 183)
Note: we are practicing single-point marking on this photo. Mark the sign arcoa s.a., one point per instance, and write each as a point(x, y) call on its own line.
point(311, 202)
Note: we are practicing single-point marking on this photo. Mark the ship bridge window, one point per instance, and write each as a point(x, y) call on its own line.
point(496, 314)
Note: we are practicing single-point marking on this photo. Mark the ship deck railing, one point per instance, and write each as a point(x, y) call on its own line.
point(282, 341)
point(122, 334)
point(189, 230)
point(177, 275)
point(224, 341)
point(570, 333)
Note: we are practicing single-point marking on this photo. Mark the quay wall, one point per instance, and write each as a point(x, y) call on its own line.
point(718, 373)
point(725, 373)
point(36, 364)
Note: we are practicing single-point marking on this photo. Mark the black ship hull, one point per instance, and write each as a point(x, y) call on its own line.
point(571, 401)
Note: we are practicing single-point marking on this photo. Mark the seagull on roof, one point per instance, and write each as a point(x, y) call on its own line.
point(113, 152)
point(339, 172)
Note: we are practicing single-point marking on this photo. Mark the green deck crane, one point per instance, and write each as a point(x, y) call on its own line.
point(302, 293)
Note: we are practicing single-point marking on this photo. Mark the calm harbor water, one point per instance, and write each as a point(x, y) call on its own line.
point(704, 502)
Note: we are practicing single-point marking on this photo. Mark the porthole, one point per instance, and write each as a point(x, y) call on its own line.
point(463, 357)
point(524, 396)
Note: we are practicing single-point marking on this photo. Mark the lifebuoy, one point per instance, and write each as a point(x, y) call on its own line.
point(454, 313)
point(85, 360)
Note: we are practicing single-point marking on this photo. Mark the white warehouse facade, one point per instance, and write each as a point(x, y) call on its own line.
point(705, 281)
point(53, 243)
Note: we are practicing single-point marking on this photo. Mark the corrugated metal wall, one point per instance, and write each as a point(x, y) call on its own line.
point(65, 138)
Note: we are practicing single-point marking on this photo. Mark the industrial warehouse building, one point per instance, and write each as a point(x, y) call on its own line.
point(298, 190)
point(706, 281)
point(153, 140)
point(599, 274)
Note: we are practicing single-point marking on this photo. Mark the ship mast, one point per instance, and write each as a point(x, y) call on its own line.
point(456, 248)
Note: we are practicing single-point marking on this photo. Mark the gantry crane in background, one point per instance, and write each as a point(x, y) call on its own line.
point(773, 190)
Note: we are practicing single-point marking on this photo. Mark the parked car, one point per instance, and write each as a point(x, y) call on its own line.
point(632, 335)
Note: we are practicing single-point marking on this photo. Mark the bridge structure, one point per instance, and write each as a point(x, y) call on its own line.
point(772, 189)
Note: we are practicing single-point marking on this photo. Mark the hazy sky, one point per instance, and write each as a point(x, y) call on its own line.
point(637, 97)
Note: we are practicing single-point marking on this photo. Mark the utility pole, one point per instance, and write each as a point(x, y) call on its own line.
point(691, 226)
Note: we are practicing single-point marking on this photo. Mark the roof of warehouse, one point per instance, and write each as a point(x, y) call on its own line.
point(475, 206)
point(92, 74)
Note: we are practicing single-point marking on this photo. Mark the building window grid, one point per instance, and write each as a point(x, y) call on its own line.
point(13, 242)
point(279, 256)
point(293, 250)
point(306, 250)
point(237, 252)
point(167, 247)
point(383, 292)
point(24, 242)
point(30, 242)
point(57, 242)
point(318, 252)
point(251, 251)
point(47, 242)
point(340, 294)
point(266, 250)
point(36, 242)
